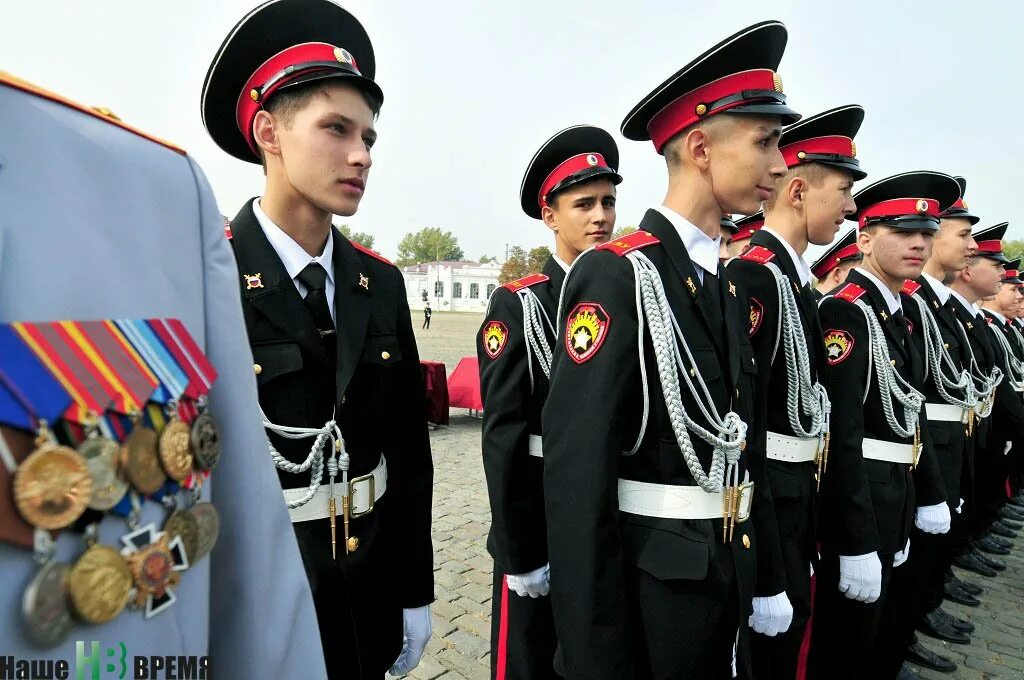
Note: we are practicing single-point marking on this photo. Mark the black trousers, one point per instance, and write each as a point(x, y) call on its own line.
point(846, 634)
point(361, 628)
point(523, 637)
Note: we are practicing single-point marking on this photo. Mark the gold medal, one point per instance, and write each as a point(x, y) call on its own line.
point(183, 523)
point(45, 605)
point(142, 461)
point(100, 584)
point(52, 487)
point(208, 520)
point(205, 441)
point(100, 456)
point(176, 449)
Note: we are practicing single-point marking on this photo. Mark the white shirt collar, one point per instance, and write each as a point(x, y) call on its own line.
point(892, 300)
point(802, 269)
point(962, 300)
point(703, 249)
point(1002, 319)
point(559, 262)
point(293, 257)
point(940, 290)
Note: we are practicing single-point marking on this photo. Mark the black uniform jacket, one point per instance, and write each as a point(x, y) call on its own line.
point(513, 394)
point(593, 415)
point(367, 376)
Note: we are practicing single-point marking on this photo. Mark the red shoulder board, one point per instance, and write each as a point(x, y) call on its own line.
point(526, 282)
point(630, 242)
point(227, 230)
point(851, 292)
point(910, 287)
point(758, 254)
point(372, 253)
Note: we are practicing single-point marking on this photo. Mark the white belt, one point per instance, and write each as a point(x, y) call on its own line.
point(890, 452)
point(536, 449)
point(792, 449)
point(946, 413)
point(678, 502)
point(364, 491)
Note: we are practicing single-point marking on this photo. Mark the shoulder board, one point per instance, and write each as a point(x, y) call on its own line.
point(851, 292)
point(910, 287)
point(227, 230)
point(526, 282)
point(372, 253)
point(100, 113)
point(758, 254)
point(629, 243)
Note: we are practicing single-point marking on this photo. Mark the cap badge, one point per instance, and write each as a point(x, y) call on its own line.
point(777, 82)
point(853, 149)
point(254, 94)
point(342, 55)
point(701, 109)
point(964, 204)
point(922, 206)
point(591, 159)
point(253, 280)
point(801, 155)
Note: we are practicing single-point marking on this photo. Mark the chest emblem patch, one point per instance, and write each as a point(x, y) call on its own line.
point(756, 316)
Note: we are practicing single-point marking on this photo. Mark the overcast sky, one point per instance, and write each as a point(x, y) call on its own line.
point(473, 88)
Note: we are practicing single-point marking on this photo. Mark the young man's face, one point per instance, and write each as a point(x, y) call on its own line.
point(1008, 298)
point(827, 203)
point(744, 161)
point(325, 151)
point(582, 216)
point(898, 253)
point(953, 243)
point(985, 276)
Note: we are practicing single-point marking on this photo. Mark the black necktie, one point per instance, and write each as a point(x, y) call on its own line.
point(314, 278)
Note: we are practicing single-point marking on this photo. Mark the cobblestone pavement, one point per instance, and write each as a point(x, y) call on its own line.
point(461, 642)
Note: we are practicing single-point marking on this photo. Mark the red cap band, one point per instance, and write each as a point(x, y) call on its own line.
point(831, 263)
point(696, 105)
point(901, 207)
point(1010, 274)
point(303, 58)
point(990, 246)
point(567, 168)
point(838, 145)
point(746, 231)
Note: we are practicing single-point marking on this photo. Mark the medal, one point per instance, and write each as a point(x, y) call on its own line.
point(184, 524)
point(108, 488)
point(176, 449)
point(208, 520)
point(45, 605)
point(141, 462)
point(52, 486)
point(100, 584)
point(205, 441)
point(155, 560)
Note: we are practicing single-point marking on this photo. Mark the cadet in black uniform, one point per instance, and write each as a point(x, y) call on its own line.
point(831, 268)
point(951, 406)
point(570, 185)
point(868, 492)
point(340, 385)
point(647, 443)
point(809, 202)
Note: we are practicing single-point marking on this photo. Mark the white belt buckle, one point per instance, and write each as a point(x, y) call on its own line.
point(745, 502)
point(371, 497)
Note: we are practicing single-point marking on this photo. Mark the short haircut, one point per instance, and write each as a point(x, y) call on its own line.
point(812, 173)
point(711, 126)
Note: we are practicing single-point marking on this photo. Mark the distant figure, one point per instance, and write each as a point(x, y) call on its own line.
point(426, 316)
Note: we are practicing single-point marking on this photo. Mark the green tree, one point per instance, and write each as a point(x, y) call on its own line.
point(359, 237)
point(1014, 249)
point(619, 233)
point(487, 259)
point(428, 245)
point(515, 267)
point(536, 259)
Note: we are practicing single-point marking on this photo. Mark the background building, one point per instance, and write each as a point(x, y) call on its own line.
point(451, 286)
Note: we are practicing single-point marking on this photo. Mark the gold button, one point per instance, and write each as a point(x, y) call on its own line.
point(746, 541)
point(257, 368)
point(946, 345)
point(385, 355)
point(892, 361)
point(693, 371)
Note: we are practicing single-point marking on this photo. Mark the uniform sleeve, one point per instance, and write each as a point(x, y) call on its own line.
point(758, 288)
point(583, 439)
point(249, 584)
point(517, 515)
point(410, 468)
point(845, 376)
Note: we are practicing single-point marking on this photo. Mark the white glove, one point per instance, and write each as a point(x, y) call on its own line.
point(860, 577)
point(418, 628)
point(960, 508)
point(933, 519)
point(901, 557)
point(536, 583)
point(772, 615)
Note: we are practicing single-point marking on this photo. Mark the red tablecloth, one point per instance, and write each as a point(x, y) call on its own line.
point(464, 385)
point(437, 392)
